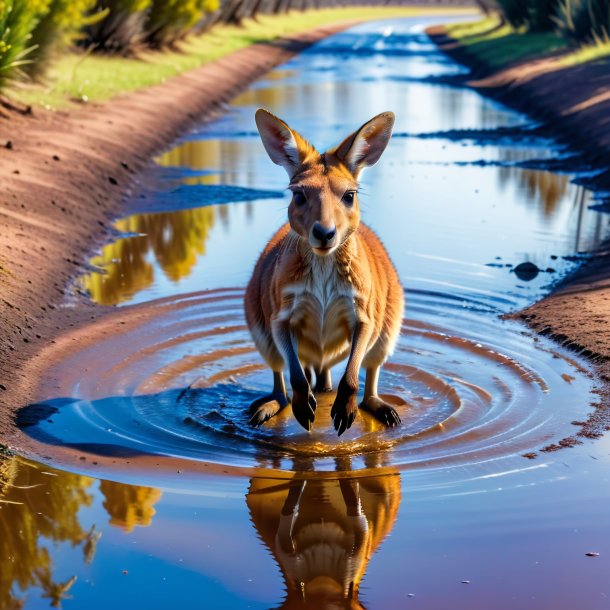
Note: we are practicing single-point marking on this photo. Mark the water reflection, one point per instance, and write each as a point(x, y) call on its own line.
point(41, 512)
point(174, 241)
point(546, 190)
point(37, 507)
point(213, 161)
point(323, 533)
point(551, 194)
point(169, 242)
point(129, 506)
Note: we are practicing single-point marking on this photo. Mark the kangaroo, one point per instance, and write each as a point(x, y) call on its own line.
point(324, 288)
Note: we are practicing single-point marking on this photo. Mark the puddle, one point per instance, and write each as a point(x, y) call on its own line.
point(487, 392)
point(170, 492)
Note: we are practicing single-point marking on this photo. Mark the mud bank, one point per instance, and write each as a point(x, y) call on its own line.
point(572, 103)
point(64, 177)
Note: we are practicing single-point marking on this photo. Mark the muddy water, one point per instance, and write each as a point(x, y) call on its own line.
point(170, 498)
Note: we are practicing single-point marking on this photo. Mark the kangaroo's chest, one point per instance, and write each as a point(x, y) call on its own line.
point(323, 315)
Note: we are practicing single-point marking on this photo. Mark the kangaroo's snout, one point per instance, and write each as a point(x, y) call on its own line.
point(322, 238)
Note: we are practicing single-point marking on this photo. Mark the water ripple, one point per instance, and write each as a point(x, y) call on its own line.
point(469, 389)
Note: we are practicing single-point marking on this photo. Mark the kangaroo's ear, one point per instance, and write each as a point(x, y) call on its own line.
point(364, 147)
point(285, 146)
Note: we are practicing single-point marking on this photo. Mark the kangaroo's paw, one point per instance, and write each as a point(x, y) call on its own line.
point(263, 409)
point(304, 406)
point(345, 407)
point(381, 410)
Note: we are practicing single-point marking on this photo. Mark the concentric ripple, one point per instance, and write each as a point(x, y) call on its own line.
point(173, 379)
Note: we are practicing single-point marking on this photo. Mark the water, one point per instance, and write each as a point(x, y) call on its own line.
point(169, 492)
point(463, 400)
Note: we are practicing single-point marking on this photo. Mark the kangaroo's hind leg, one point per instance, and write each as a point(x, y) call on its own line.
point(265, 408)
point(371, 402)
point(324, 383)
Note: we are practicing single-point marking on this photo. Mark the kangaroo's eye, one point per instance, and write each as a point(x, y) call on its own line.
point(299, 197)
point(348, 198)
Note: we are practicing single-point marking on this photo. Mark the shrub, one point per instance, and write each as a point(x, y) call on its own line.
point(514, 12)
point(585, 21)
point(120, 29)
point(18, 18)
point(542, 15)
point(533, 15)
point(171, 20)
point(58, 28)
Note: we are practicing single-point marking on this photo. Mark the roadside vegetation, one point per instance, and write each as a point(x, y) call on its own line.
point(34, 32)
point(53, 52)
point(576, 30)
point(578, 21)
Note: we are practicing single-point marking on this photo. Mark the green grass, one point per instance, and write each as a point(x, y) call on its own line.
point(466, 29)
point(89, 77)
point(586, 53)
point(498, 46)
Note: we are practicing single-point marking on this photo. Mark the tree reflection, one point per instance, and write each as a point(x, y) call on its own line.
point(545, 189)
point(323, 532)
point(226, 159)
point(129, 506)
point(39, 509)
point(37, 506)
point(125, 268)
point(175, 239)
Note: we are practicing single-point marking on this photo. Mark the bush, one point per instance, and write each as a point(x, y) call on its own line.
point(171, 20)
point(542, 15)
point(18, 18)
point(514, 12)
point(121, 28)
point(60, 27)
point(533, 15)
point(585, 21)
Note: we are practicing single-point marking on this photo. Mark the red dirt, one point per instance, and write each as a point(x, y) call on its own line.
point(64, 176)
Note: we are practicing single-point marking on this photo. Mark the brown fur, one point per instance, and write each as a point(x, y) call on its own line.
point(311, 303)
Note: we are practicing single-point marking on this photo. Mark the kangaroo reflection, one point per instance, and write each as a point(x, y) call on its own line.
point(322, 532)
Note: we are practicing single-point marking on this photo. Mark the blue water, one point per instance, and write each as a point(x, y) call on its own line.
point(443, 217)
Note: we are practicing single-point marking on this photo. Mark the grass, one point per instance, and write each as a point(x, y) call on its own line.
point(584, 54)
point(499, 46)
point(89, 77)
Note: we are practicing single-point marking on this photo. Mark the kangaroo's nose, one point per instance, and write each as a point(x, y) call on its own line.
point(322, 233)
